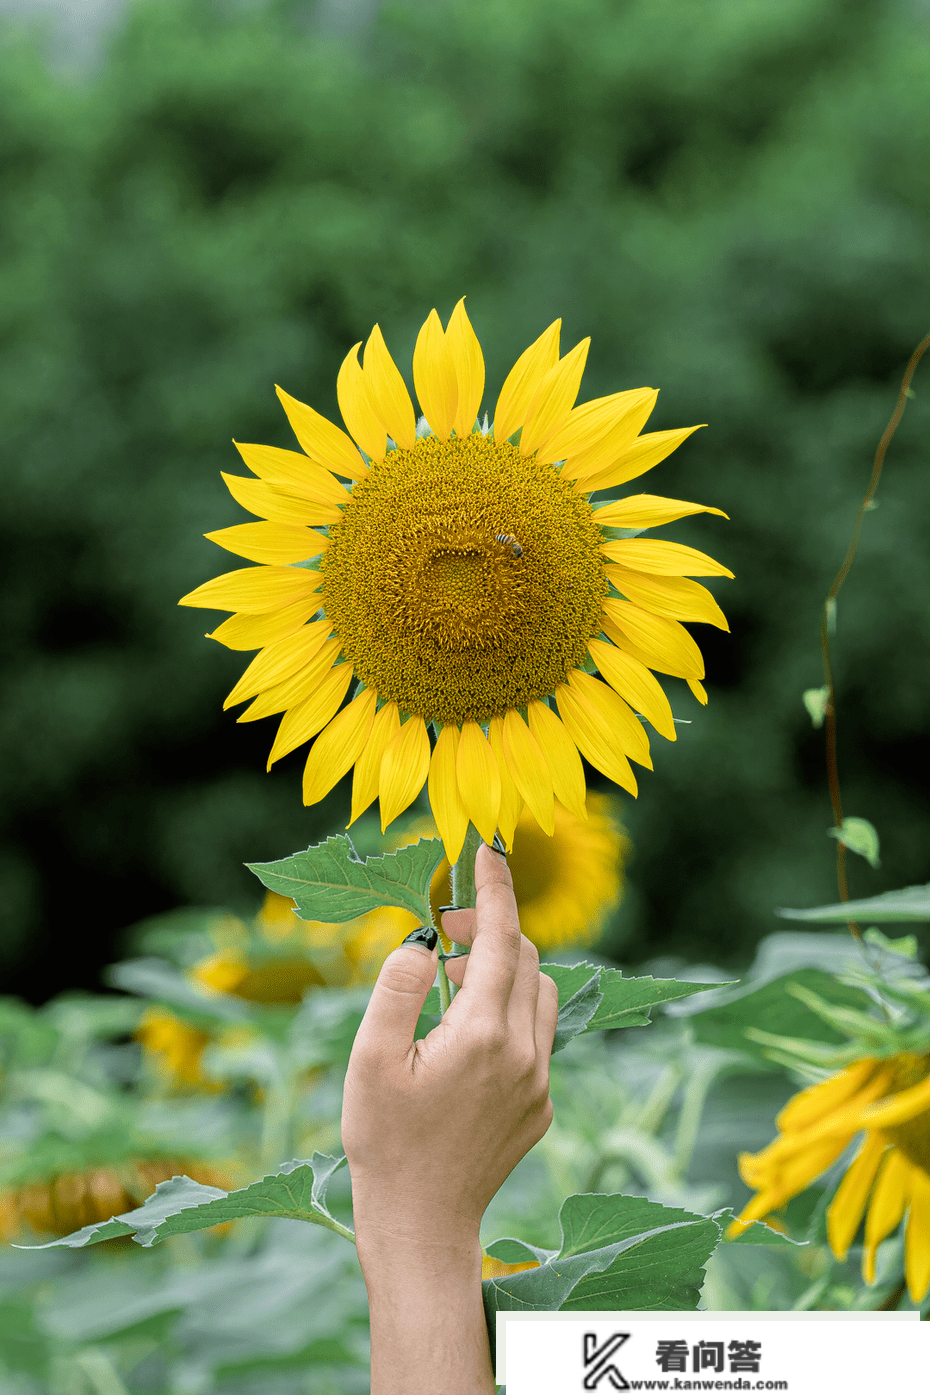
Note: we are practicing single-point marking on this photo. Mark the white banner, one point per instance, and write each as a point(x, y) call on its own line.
point(800, 1353)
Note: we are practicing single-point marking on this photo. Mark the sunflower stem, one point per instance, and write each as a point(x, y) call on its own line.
point(445, 989)
point(463, 872)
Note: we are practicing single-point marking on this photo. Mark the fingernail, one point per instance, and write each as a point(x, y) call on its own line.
point(424, 935)
point(499, 846)
point(447, 908)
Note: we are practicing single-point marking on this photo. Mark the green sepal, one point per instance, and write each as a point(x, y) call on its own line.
point(331, 883)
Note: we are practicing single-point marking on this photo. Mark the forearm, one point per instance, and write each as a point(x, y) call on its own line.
point(428, 1331)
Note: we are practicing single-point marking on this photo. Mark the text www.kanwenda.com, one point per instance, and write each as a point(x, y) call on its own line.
point(708, 1384)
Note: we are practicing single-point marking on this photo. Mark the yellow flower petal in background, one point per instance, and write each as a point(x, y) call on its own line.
point(293, 690)
point(302, 722)
point(448, 809)
point(338, 746)
point(595, 431)
point(647, 511)
point(523, 380)
point(357, 411)
point(635, 684)
point(404, 769)
point(294, 473)
point(279, 543)
point(848, 1205)
point(387, 392)
point(492, 1268)
point(384, 728)
point(468, 361)
point(254, 590)
point(554, 399)
point(511, 798)
point(903, 1106)
point(674, 597)
point(811, 1105)
point(562, 757)
point(280, 661)
point(917, 1237)
point(276, 505)
point(529, 770)
point(257, 631)
point(661, 558)
point(663, 642)
point(594, 737)
point(646, 452)
point(479, 780)
point(322, 441)
point(887, 1207)
point(434, 378)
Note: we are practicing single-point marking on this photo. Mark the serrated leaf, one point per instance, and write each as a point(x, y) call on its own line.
point(331, 883)
point(627, 1001)
point(909, 903)
point(617, 1252)
point(772, 1010)
point(178, 1207)
point(576, 1013)
point(859, 836)
point(755, 1233)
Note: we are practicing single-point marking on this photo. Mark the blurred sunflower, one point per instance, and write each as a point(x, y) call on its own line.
point(888, 1101)
point(60, 1203)
point(462, 581)
point(565, 885)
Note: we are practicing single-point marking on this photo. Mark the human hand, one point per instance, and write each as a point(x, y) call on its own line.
point(432, 1128)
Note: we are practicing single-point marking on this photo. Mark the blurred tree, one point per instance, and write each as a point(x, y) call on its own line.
point(733, 200)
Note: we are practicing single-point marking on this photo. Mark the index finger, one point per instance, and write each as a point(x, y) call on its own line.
point(491, 966)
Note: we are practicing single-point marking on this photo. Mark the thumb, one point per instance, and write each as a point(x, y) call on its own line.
point(397, 1000)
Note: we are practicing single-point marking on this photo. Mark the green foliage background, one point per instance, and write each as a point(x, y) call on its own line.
point(733, 200)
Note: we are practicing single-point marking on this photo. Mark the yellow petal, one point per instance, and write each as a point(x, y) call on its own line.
point(633, 681)
point(645, 452)
point(479, 780)
point(797, 1174)
point(278, 507)
point(311, 715)
point(511, 798)
point(647, 511)
point(279, 543)
point(434, 378)
point(522, 381)
point(257, 631)
point(322, 440)
point(625, 726)
point(604, 455)
point(917, 1237)
point(355, 406)
point(604, 424)
point(661, 558)
point(905, 1105)
point(280, 661)
point(294, 473)
point(388, 393)
point(292, 691)
point(699, 691)
point(889, 1200)
point(338, 746)
point(384, 728)
point(675, 597)
point(529, 770)
point(812, 1104)
point(469, 369)
point(554, 399)
point(594, 737)
point(562, 756)
point(448, 809)
point(255, 590)
point(404, 768)
point(848, 1206)
point(660, 643)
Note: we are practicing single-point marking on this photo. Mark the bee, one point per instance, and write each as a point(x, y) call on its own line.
point(515, 546)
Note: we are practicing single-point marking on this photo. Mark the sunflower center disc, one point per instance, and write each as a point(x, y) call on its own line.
point(464, 579)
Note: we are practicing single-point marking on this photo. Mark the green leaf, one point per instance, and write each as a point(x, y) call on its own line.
point(627, 1001)
point(859, 836)
point(331, 883)
point(756, 1233)
point(576, 1013)
point(906, 945)
point(161, 981)
point(296, 1192)
point(617, 1252)
point(815, 700)
point(909, 903)
point(771, 1009)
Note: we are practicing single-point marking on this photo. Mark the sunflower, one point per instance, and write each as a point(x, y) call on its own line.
point(888, 1102)
point(462, 580)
